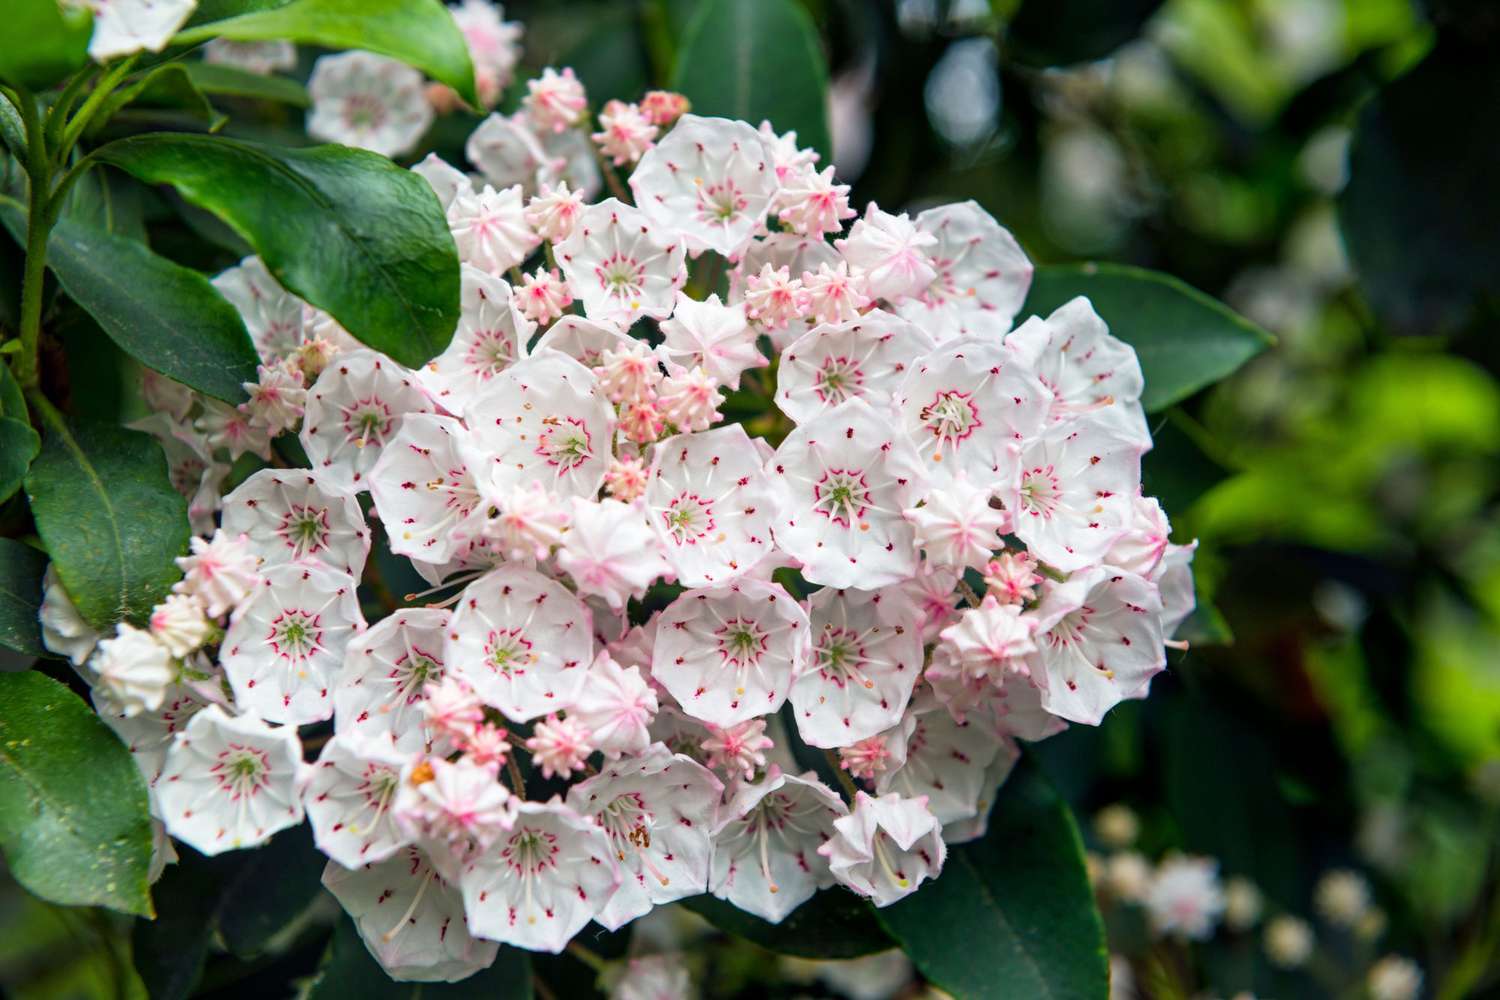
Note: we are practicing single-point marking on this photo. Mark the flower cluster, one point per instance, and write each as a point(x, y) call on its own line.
point(644, 616)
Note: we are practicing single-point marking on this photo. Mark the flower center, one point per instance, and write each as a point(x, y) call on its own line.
point(565, 444)
point(688, 518)
point(241, 771)
point(363, 112)
point(490, 354)
point(741, 641)
point(295, 634)
point(841, 657)
point(720, 202)
point(838, 379)
point(368, 421)
point(951, 417)
point(842, 496)
point(508, 652)
point(412, 671)
point(1041, 494)
point(530, 851)
point(304, 529)
point(621, 276)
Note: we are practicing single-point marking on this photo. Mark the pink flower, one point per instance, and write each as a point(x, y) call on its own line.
point(626, 133)
point(544, 295)
point(560, 745)
point(556, 101)
point(739, 750)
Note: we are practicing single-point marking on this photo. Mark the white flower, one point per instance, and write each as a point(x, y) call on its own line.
point(353, 410)
point(454, 810)
point(555, 101)
point(1288, 941)
point(180, 625)
point(276, 398)
point(263, 58)
point(864, 358)
point(1342, 897)
point(989, 641)
point(491, 336)
point(711, 180)
point(866, 656)
point(64, 631)
point(165, 396)
point(619, 267)
point(841, 481)
point(710, 503)
point(610, 551)
point(1394, 978)
point(288, 515)
point(221, 572)
point(689, 399)
point(122, 27)
point(982, 275)
point(739, 750)
point(654, 977)
point(425, 490)
point(278, 322)
point(626, 479)
point(957, 526)
point(1077, 482)
point(522, 641)
point(625, 132)
point(1174, 578)
point(713, 336)
point(285, 644)
point(615, 705)
point(833, 294)
point(657, 810)
point(379, 694)
point(529, 522)
point(559, 746)
point(730, 653)
point(553, 211)
point(788, 159)
point(774, 299)
point(1086, 369)
point(584, 340)
point(508, 151)
point(230, 782)
point(410, 918)
point(1098, 641)
point(446, 180)
point(490, 228)
point(230, 428)
point(893, 255)
point(630, 372)
point(766, 845)
point(946, 761)
point(349, 798)
point(544, 295)
point(370, 101)
point(544, 420)
point(148, 735)
point(885, 847)
point(811, 203)
point(494, 46)
point(134, 668)
point(1185, 899)
point(546, 878)
point(1146, 538)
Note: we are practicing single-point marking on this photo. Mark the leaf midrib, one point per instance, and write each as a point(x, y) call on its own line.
point(65, 435)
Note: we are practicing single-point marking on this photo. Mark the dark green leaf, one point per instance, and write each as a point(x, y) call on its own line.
point(231, 81)
point(169, 951)
point(350, 971)
point(833, 924)
point(1012, 915)
point(346, 229)
point(419, 32)
point(276, 885)
point(1185, 339)
point(610, 57)
point(108, 200)
point(1175, 470)
point(755, 60)
point(1419, 214)
point(74, 821)
point(109, 518)
point(21, 569)
point(166, 316)
point(12, 402)
point(1063, 32)
point(46, 42)
point(167, 86)
point(18, 446)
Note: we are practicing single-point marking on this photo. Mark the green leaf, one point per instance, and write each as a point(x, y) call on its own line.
point(1064, 32)
point(108, 516)
point(346, 229)
point(835, 923)
point(757, 60)
point(419, 32)
point(1012, 915)
point(1419, 214)
point(108, 200)
point(1185, 339)
point(350, 971)
point(46, 42)
point(164, 315)
point(19, 444)
point(169, 951)
point(74, 821)
point(1176, 470)
point(21, 570)
point(277, 884)
point(167, 86)
point(231, 81)
point(12, 402)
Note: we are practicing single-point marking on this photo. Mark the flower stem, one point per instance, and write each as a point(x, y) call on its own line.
point(589, 958)
point(850, 788)
point(38, 174)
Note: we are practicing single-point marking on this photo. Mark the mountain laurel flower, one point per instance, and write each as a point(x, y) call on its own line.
point(713, 336)
point(664, 107)
point(833, 294)
point(555, 101)
point(1011, 577)
point(180, 625)
point(625, 132)
point(610, 552)
point(981, 275)
point(626, 479)
point(232, 429)
point(122, 27)
point(288, 515)
point(354, 409)
point(369, 101)
point(957, 525)
point(629, 373)
point(885, 847)
point(891, 254)
point(616, 707)
point(620, 266)
point(487, 746)
point(64, 631)
point(690, 398)
point(811, 203)
point(642, 422)
point(220, 571)
point(350, 797)
point(490, 228)
point(277, 398)
point(508, 150)
point(553, 211)
point(134, 668)
point(455, 811)
point(1185, 898)
point(773, 298)
point(491, 336)
point(788, 158)
point(559, 745)
point(383, 685)
point(869, 758)
point(451, 709)
point(544, 295)
point(494, 46)
point(528, 522)
point(738, 751)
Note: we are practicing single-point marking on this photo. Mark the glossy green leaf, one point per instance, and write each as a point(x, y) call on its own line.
point(12, 402)
point(108, 516)
point(216, 79)
point(18, 446)
point(835, 923)
point(1176, 470)
point(45, 43)
point(21, 570)
point(74, 821)
point(419, 32)
point(350, 971)
point(167, 86)
point(108, 200)
point(1185, 339)
point(166, 316)
point(1419, 215)
point(345, 229)
point(1012, 914)
point(757, 60)
point(277, 884)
